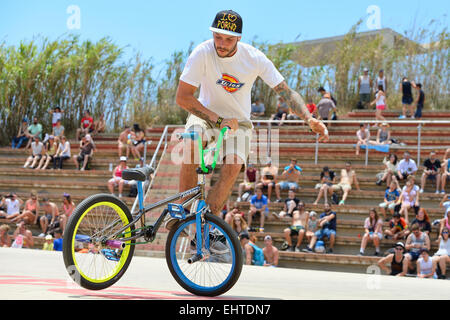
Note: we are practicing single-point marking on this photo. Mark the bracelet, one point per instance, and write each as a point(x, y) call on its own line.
point(219, 122)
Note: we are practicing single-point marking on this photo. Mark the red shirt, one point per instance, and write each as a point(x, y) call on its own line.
point(85, 122)
point(311, 107)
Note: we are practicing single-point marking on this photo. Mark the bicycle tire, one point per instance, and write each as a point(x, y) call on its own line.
point(235, 254)
point(87, 218)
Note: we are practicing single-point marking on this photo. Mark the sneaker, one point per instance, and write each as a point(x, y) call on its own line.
point(278, 200)
point(334, 198)
point(307, 249)
point(402, 117)
point(342, 202)
point(239, 199)
point(297, 249)
point(275, 215)
point(42, 235)
point(442, 191)
point(376, 254)
point(378, 183)
point(291, 249)
point(437, 192)
point(360, 254)
point(421, 190)
point(329, 250)
point(170, 223)
point(442, 276)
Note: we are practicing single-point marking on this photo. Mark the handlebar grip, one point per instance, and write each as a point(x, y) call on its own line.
point(188, 135)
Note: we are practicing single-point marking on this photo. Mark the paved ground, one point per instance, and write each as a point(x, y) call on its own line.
point(36, 275)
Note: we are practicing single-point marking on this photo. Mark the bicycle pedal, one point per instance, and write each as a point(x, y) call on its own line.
point(111, 255)
point(176, 211)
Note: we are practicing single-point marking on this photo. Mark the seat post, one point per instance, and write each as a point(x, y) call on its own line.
point(140, 195)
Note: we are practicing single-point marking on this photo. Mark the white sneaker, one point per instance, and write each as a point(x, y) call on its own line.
point(239, 199)
point(42, 235)
point(437, 192)
point(421, 190)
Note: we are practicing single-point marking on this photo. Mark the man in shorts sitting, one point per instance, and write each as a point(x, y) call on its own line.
point(415, 242)
point(268, 178)
point(290, 205)
point(270, 253)
point(258, 206)
point(432, 168)
point(290, 176)
point(297, 228)
point(348, 177)
point(327, 224)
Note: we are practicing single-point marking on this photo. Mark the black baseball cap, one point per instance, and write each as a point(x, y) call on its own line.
point(227, 22)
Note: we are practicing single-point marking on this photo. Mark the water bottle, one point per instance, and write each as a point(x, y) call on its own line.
point(110, 166)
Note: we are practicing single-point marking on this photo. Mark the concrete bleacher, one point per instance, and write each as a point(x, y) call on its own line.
point(295, 141)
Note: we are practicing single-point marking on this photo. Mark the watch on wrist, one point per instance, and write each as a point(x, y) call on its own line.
point(219, 122)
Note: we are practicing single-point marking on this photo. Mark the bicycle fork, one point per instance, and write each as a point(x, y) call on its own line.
point(200, 208)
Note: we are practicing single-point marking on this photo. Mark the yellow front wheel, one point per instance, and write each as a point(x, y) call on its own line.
point(93, 256)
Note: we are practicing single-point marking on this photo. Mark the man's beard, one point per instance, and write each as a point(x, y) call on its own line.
point(228, 54)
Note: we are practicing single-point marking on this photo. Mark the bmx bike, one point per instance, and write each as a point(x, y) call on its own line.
point(202, 252)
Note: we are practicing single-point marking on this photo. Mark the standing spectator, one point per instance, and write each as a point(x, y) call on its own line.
point(325, 108)
point(415, 242)
point(391, 171)
point(364, 88)
point(116, 180)
point(398, 228)
point(268, 178)
point(406, 166)
point(324, 93)
point(22, 135)
point(124, 141)
point(62, 153)
point(419, 102)
point(312, 108)
point(445, 203)
point(100, 124)
point(327, 178)
point(409, 198)
point(380, 103)
point(271, 253)
point(445, 174)
point(258, 206)
point(290, 178)
point(56, 113)
point(426, 267)
point(348, 178)
point(391, 195)
point(86, 153)
point(254, 255)
point(297, 228)
point(238, 224)
point(86, 126)
point(397, 260)
point(282, 111)
point(381, 80)
point(363, 135)
point(290, 205)
point(58, 129)
point(423, 220)
point(432, 167)
point(23, 238)
point(51, 147)
point(441, 257)
point(50, 218)
point(13, 204)
point(34, 130)
point(372, 231)
point(312, 226)
point(138, 141)
point(250, 177)
point(5, 238)
point(327, 224)
point(36, 153)
point(407, 98)
point(257, 109)
point(30, 210)
point(67, 209)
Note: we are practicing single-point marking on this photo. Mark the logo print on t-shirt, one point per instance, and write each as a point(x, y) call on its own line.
point(229, 83)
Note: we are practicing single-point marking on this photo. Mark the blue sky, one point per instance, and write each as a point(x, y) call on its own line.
point(158, 28)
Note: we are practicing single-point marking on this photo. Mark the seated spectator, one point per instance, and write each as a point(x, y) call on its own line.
point(445, 174)
point(36, 153)
point(116, 180)
point(312, 226)
point(415, 242)
point(48, 244)
point(432, 167)
point(50, 219)
point(270, 253)
point(138, 137)
point(423, 220)
point(12, 203)
point(327, 225)
point(86, 153)
point(406, 166)
point(426, 267)
point(5, 238)
point(86, 125)
point(268, 178)
point(325, 108)
point(30, 210)
point(100, 124)
point(258, 206)
point(363, 135)
point(383, 135)
point(391, 197)
point(22, 135)
point(124, 141)
point(282, 111)
point(51, 147)
point(257, 109)
point(23, 238)
point(290, 205)
point(312, 108)
point(409, 198)
point(398, 228)
point(67, 209)
point(348, 178)
point(57, 114)
point(231, 213)
point(327, 178)
point(373, 230)
point(445, 203)
point(238, 224)
point(34, 130)
point(254, 255)
point(441, 257)
point(289, 179)
point(58, 129)
point(397, 260)
point(250, 177)
point(297, 228)
point(62, 153)
point(391, 170)
point(58, 242)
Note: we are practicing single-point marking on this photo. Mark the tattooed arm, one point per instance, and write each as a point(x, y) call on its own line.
point(297, 105)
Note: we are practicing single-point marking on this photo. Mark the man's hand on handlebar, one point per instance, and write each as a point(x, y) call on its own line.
point(231, 123)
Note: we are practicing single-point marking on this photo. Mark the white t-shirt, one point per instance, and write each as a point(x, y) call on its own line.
point(407, 166)
point(37, 148)
point(226, 83)
point(65, 146)
point(444, 248)
point(12, 206)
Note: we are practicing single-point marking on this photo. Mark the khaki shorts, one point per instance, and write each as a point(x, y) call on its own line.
point(343, 186)
point(236, 143)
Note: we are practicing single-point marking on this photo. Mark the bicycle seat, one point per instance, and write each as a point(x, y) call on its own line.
point(139, 174)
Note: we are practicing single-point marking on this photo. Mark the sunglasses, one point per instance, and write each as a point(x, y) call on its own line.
point(398, 248)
